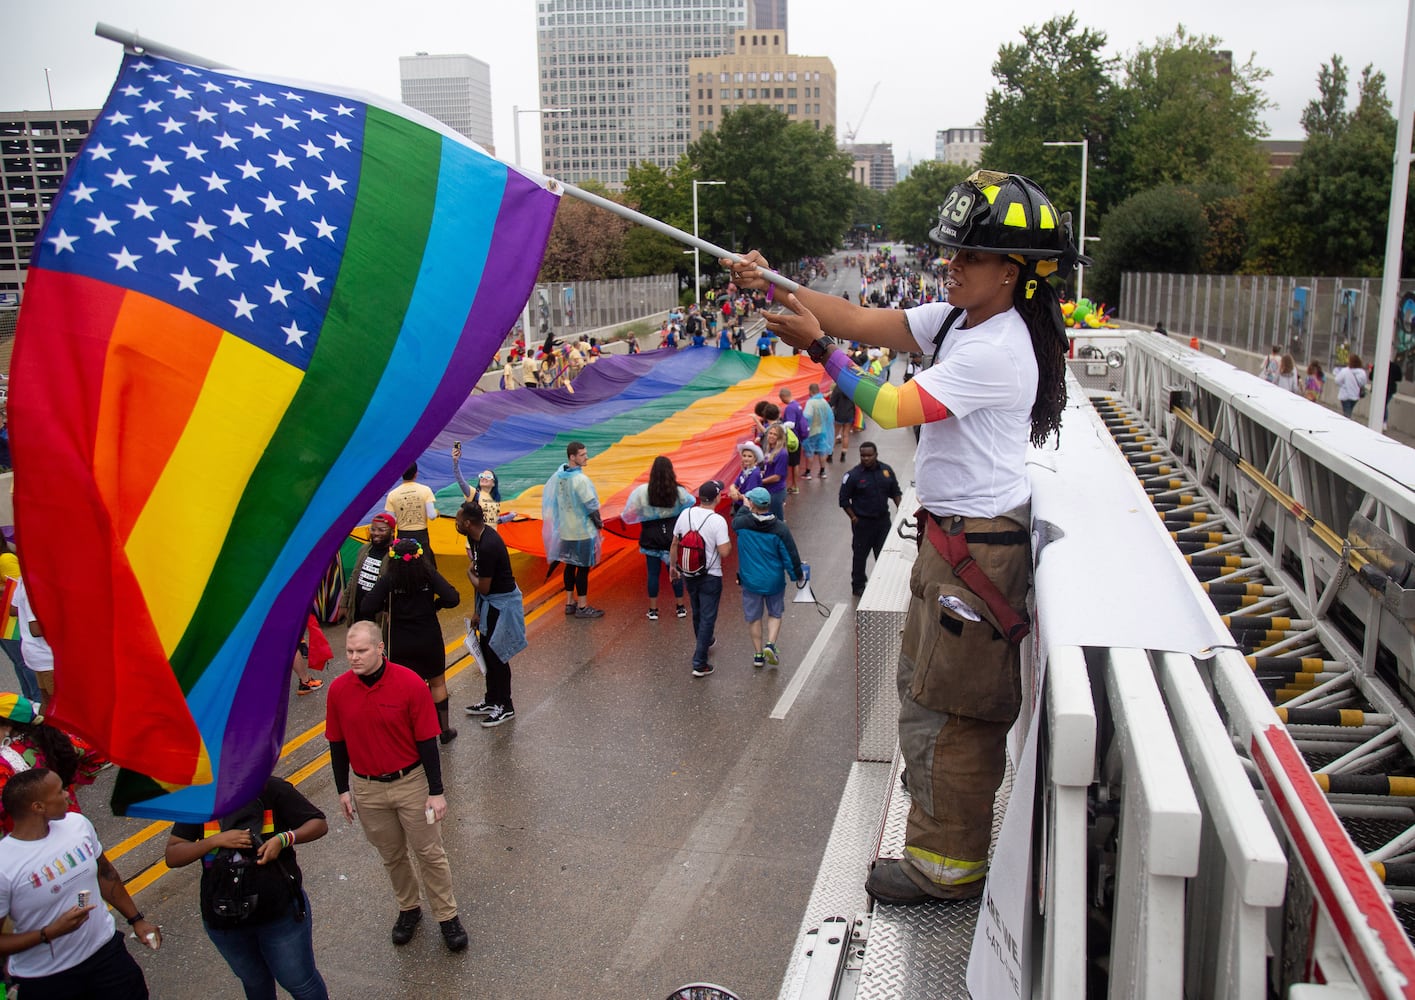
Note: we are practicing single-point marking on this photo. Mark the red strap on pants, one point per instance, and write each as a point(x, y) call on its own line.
point(954, 549)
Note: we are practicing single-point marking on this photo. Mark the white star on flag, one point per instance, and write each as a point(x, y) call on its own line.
point(201, 229)
point(165, 243)
point(124, 259)
point(103, 224)
point(186, 281)
point(277, 293)
point(224, 267)
point(62, 241)
point(244, 309)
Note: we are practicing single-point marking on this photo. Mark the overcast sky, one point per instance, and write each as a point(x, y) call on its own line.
point(932, 60)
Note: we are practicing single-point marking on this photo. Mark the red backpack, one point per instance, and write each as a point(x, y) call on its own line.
point(692, 551)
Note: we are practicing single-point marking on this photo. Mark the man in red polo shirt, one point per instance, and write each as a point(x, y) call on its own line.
point(382, 725)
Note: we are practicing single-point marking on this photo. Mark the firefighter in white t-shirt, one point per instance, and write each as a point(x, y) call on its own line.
point(998, 382)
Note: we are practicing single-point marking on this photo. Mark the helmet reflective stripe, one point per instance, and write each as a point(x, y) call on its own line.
point(1016, 216)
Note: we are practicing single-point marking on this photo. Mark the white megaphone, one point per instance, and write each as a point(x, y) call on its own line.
point(803, 592)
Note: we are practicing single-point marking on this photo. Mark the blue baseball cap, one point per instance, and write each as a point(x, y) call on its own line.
point(759, 497)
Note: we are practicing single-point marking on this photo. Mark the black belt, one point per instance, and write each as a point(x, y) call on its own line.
point(391, 775)
point(983, 537)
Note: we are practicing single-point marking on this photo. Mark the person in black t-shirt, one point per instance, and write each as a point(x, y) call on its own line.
point(272, 943)
point(501, 618)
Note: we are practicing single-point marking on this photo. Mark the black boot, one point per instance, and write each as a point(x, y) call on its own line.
point(448, 733)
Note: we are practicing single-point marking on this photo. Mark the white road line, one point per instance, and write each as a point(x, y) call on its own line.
point(803, 673)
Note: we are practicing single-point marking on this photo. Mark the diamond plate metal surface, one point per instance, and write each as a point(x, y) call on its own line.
point(879, 626)
point(920, 952)
point(1095, 375)
point(840, 883)
point(896, 817)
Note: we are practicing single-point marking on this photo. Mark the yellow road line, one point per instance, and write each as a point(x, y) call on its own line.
point(145, 878)
point(150, 875)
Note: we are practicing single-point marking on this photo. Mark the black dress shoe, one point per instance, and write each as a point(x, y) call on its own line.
point(407, 922)
point(453, 934)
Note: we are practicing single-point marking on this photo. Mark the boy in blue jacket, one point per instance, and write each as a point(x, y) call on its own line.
point(766, 556)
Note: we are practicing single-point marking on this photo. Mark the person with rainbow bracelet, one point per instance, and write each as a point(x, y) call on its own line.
point(997, 383)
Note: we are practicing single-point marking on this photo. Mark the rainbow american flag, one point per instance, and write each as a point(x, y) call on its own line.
point(253, 304)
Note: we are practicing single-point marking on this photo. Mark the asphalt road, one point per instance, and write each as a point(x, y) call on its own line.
point(633, 829)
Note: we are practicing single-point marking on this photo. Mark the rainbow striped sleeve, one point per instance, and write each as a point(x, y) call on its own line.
point(887, 405)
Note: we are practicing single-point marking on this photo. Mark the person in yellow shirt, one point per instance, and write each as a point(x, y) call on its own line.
point(413, 505)
point(10, 570)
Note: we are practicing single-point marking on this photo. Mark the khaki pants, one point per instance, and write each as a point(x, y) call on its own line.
point(392, 815)
point(960, 691)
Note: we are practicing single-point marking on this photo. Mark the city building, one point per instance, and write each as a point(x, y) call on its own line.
point(454, 89)
point(759, 70)
point(35, 150)
point(1282, 153)
point(769, 14)
point(874, 164)
point(621, 66)
point(963, 146)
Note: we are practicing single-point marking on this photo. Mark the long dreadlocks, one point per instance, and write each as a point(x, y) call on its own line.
point(1037, 304)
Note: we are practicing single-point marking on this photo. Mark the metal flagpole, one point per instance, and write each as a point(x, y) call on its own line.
point(1395, 230)
point(131, 40)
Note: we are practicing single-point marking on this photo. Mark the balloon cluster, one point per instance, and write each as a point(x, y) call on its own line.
point(1085, 314)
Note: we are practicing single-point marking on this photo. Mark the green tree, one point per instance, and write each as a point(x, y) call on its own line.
point(1190, 115)
point(1054, 85)
point(1162, 229)
point(585, 242)
point(666, 195)
point(1326, 113)
point(912, 209)
point(788, 192)
point(1327, 214)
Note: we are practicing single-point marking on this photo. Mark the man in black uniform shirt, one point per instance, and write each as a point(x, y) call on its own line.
point(865, 493)
point(369, 564)
point(502, 620)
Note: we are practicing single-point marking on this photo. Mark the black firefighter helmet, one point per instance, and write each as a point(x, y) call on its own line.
point(1008, 214)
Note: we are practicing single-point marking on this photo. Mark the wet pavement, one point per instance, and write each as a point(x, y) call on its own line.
point(633, 829)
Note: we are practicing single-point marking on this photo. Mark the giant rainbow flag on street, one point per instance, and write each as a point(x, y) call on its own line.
point(253, 303)
point(693, 405)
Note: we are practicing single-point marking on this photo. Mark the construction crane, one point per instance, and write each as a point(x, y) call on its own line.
point(852, 131)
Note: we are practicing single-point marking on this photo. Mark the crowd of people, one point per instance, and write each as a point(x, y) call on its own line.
point(1353, 379)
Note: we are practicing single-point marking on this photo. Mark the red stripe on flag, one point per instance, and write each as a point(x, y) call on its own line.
point(114, 685)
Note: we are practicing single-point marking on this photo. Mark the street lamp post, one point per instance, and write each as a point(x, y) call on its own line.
point(697, 276)
point(516, 113)
point(1085, 145)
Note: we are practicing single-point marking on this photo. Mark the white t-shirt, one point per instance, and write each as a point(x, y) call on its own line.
point(1349, 383)
point(39, 657)
point(40, 879)
point(974, 462)
point(712, 526)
